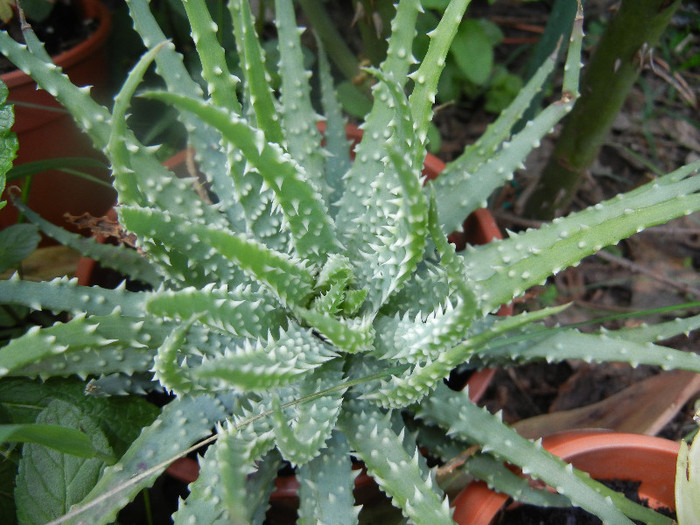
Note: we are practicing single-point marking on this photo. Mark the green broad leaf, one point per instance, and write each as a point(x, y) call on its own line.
point(8, 140)
point(121, 418)
point(37, 10)
point(49, 482)
point(16, 243)
point(472, 51)
point(56, 437)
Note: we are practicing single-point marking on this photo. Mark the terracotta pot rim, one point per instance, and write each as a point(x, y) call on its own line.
point(478, 505)
point(65, 59)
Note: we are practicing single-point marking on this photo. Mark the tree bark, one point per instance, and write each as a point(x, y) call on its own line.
point(612, 71)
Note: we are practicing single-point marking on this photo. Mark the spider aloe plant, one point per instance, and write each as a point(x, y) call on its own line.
point(306, 307)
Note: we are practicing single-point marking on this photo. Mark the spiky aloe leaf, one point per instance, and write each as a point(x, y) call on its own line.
point(63, 294)
point(260, 365)
point(395, 469)
point(221, 84)
point(419, 379)
point(83, 347)
point(338, 161)
point(302, 430)
point(326, 486)
point(214, 247)
point(500, 478)
point(456, 412)
point(222, 492)
point(311, 227)
point(171, 68)
point(654, 333)
point(258, 92)
point(244, 311)
point(599, 348)
point(360, 182)
point(420, 339)
point(469, 180)
point(428, 73)
point(504, 269)
point(350, 335)
point(298, 115)
point(181, 423)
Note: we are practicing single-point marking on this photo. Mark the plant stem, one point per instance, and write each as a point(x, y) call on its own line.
point(620, 56)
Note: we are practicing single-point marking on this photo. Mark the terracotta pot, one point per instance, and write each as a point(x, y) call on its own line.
point(46, 131)
point(604, 455)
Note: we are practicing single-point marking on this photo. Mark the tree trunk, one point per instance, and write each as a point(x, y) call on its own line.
point(615, 66)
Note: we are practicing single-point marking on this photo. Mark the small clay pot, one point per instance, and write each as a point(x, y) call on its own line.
point(45, 131)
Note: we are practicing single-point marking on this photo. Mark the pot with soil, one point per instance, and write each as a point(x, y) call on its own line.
point(644, 463)
point(44, 129)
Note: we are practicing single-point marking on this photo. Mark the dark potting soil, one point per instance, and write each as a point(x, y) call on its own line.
point(64, 28)
point(534, 515)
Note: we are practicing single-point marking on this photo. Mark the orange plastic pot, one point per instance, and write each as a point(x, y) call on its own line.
point(46, 131)
point(604, 455)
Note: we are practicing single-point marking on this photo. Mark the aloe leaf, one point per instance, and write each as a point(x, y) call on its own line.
point(170, 66)
point(82, 346)
point(260, 365)
point(49, 482)
point(467, 182)
point(599, 348)
point(256, 82)
point(359, 190)
point(302, 137)
point(338, 161)
point(454, 410)
point(302, 430)
point(63, 294)
point(500, 478)
point(303, 207)
point(221, 491)
point(426, 77)
point(350, 335)
point(118, 145)
point(417, 381)
point(657, 332)
point(326, 486)
point(243, 311)
point(505, 269)
point(396, 470)
point(220, 82)
point(424, 338)
point(89, 115)
point(284, 276)
point(181, 423)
